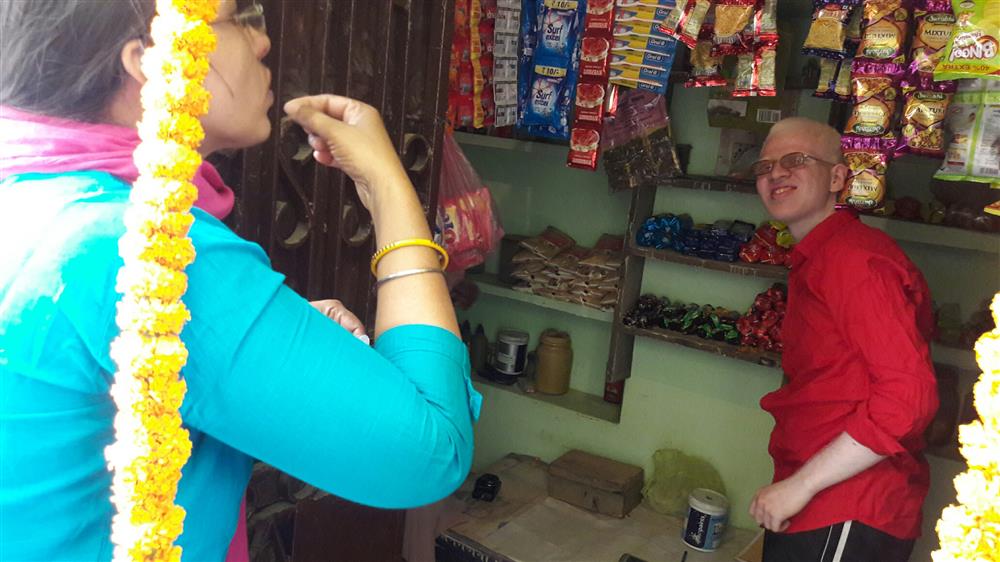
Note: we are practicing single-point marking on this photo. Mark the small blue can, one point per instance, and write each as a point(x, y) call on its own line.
point(708, 514)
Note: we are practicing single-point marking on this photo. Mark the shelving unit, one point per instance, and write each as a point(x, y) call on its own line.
point(490, 285)
point(589, 405)
point(765, 358)
point(758, 270)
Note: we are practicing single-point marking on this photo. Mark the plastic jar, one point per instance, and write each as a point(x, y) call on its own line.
point(555, 361)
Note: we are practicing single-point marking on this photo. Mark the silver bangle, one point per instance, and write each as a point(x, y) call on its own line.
point(407, 273)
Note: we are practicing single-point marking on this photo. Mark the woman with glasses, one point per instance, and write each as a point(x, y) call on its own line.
point(269, 377)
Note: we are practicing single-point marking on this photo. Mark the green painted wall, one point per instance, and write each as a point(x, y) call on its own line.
point(676, 397)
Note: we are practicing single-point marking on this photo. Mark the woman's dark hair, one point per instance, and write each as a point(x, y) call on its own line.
point(62, 57)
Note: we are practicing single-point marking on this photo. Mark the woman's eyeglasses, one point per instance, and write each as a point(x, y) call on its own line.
point(251, 17)
point(789, 161)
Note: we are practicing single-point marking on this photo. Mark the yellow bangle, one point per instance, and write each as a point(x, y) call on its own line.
point(406, 243)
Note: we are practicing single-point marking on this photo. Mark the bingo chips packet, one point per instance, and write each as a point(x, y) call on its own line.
point(706, 68)
point(828, 30)
point(933, 24)
point(884, 30)
point(974, 47)
point(922, 120)
point(685, 20)
point(973, 124)
point(876, 92)
point(731, 18)
point(868, 159)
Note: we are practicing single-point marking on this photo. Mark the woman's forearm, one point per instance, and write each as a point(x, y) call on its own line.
point(415, 299)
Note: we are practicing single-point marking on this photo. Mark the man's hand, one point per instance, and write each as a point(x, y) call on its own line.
point(336, 311)
point(774, 505)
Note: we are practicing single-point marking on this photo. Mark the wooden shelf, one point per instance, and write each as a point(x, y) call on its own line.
point(936, 235)
point(515, 145)
point(712, 183)
point(490, 285)
point(900, 229)
point(759, 270)
point(964, 359)
point(589, 405)
point(765, 358)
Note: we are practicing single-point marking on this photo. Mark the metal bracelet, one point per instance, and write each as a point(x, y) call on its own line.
point(407, 273)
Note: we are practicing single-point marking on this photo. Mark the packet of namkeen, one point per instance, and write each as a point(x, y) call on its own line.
point(922, 121)
point(868, 160)
point(876, 92)
point(828, 30)
point(884, 30)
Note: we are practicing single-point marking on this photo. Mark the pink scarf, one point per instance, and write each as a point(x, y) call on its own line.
point(36, 143)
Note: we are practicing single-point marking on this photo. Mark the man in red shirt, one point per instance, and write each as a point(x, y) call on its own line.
point(849, 474)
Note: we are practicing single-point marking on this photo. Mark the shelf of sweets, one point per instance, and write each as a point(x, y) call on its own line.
point(900, 229)
point(764, 358)
point(490, 285)
point(759, 270)
point(583, 403)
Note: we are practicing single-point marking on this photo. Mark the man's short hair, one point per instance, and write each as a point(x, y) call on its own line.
point(824, 139)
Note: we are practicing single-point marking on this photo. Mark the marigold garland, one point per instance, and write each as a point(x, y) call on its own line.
point(151, 447)
point(970, 531)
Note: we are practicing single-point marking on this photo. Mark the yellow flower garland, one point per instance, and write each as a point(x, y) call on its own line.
point(151, 447)
point(970, 531)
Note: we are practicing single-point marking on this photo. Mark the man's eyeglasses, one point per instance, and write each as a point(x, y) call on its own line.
point(789, 161)
point(251, 17)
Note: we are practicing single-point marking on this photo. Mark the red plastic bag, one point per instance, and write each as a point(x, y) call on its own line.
point(466, 215)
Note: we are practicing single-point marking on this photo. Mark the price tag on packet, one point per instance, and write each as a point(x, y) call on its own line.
point(591, 92)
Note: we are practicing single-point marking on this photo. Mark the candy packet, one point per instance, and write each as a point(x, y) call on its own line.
point(972, 51)
point(828, 30)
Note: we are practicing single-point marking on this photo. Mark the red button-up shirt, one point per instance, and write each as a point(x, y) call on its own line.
point(857, 359)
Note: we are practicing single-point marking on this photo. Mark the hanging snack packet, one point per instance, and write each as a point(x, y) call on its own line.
point(684, 21)
point(765, 57)
point(922, 126)
point(854, 25)
point(731, 17)
point(972, 51)
point(876, 90)
point(827, 78)
point(934, 22)
point(843, 88)
point(746, 70)
point(884, 31)
point(973, 124)
point(765, 22)
point(828, 30)
point(866, 186)
point(706, 68)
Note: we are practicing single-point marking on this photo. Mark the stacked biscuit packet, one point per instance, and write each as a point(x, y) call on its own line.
point(553, 265)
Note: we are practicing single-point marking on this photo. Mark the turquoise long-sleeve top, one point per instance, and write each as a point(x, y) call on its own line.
point(268, 378)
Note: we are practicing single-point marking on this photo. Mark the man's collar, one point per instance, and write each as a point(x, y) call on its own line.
point(820, 235)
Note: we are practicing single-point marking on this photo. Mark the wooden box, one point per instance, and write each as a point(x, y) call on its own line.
point(595, 483)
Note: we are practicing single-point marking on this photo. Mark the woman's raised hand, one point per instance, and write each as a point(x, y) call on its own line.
point(349, 135)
